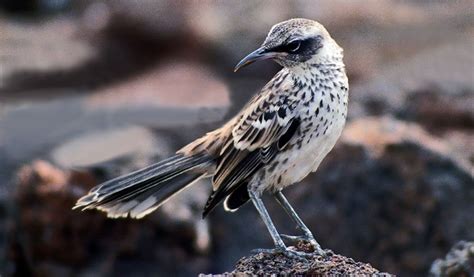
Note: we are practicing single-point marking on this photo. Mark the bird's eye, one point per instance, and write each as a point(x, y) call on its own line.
point(293, 46)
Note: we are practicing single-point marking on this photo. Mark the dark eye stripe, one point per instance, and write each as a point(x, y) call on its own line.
point(304, 45)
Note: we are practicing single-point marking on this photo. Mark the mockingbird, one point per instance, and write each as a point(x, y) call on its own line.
point(276, 140)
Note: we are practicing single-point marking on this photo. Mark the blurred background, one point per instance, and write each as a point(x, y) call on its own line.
point(92, 89)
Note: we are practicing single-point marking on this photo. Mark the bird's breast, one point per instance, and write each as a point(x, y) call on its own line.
point(322, 122)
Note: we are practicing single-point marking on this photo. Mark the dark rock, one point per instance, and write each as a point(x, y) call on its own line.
point(410, 198)
point(280, 265)
point(50, 239)
point(160, 18)
point(458, 262)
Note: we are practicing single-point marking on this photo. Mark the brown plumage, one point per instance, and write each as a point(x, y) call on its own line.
point(279, 137)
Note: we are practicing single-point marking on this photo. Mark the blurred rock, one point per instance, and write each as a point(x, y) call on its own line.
point(458, 262)
point(77, 53)
point(161, 18)
point(31, 47)
point(45, 228)
point(55, 240)
point(34, 7)
point(376, 134)
point(101, 146)
point(389, 194)
point(173, 95)
point(186, 208)
point(387, 32)
point(461, 142)
point(177, 85)
point(280, 265)
point(435, 88)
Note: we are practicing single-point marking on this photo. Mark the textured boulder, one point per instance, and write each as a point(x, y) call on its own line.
point(268, 264)
point(278, 264)
point(50, 239)
point(458, 262)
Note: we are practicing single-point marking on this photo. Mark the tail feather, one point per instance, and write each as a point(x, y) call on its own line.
point(141, 175)
point(147, 202)
point(141, 192)
point(237, 198)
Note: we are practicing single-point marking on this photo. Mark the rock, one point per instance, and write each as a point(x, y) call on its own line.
point(399, 184)
point(458, 262)
point(280, 265)
point(389, 194)
point(434, 88)
point(98, 46)
point(160, 18)
point(101, 146)
point(34, 8)
point(166, 86)
point(461, 142)
point(30, 47)
point(49, 238)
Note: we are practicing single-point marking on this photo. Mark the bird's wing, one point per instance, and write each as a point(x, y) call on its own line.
point(264, 127)
point(263, 122)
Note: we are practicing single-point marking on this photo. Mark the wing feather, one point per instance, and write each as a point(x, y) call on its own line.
point(266, 126)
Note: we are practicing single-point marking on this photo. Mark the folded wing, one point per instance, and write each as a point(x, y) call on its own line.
point(265, 128)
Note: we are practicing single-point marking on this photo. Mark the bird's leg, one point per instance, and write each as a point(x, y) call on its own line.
point(292, 213)
point(308, 236)
point(258, 203)
point(280, 246)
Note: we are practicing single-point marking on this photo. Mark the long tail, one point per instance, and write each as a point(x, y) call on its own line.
point(141, 192)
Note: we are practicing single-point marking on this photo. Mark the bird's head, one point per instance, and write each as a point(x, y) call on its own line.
point(295, 43)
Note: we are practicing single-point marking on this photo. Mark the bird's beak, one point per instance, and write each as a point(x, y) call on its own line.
point(257, 55)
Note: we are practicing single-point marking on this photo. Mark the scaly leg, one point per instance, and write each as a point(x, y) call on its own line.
point(308, 236)
point(280, 246)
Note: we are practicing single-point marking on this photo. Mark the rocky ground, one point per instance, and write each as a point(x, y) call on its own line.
point(100, 89)
point(329, 265)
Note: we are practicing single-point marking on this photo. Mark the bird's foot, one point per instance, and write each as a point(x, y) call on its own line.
point(287, 251)
point(296, 238)
point(306, 239)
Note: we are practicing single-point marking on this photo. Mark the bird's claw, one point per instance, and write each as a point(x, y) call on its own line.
point(296, 238)
point(288, 252)
point(308, 239)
